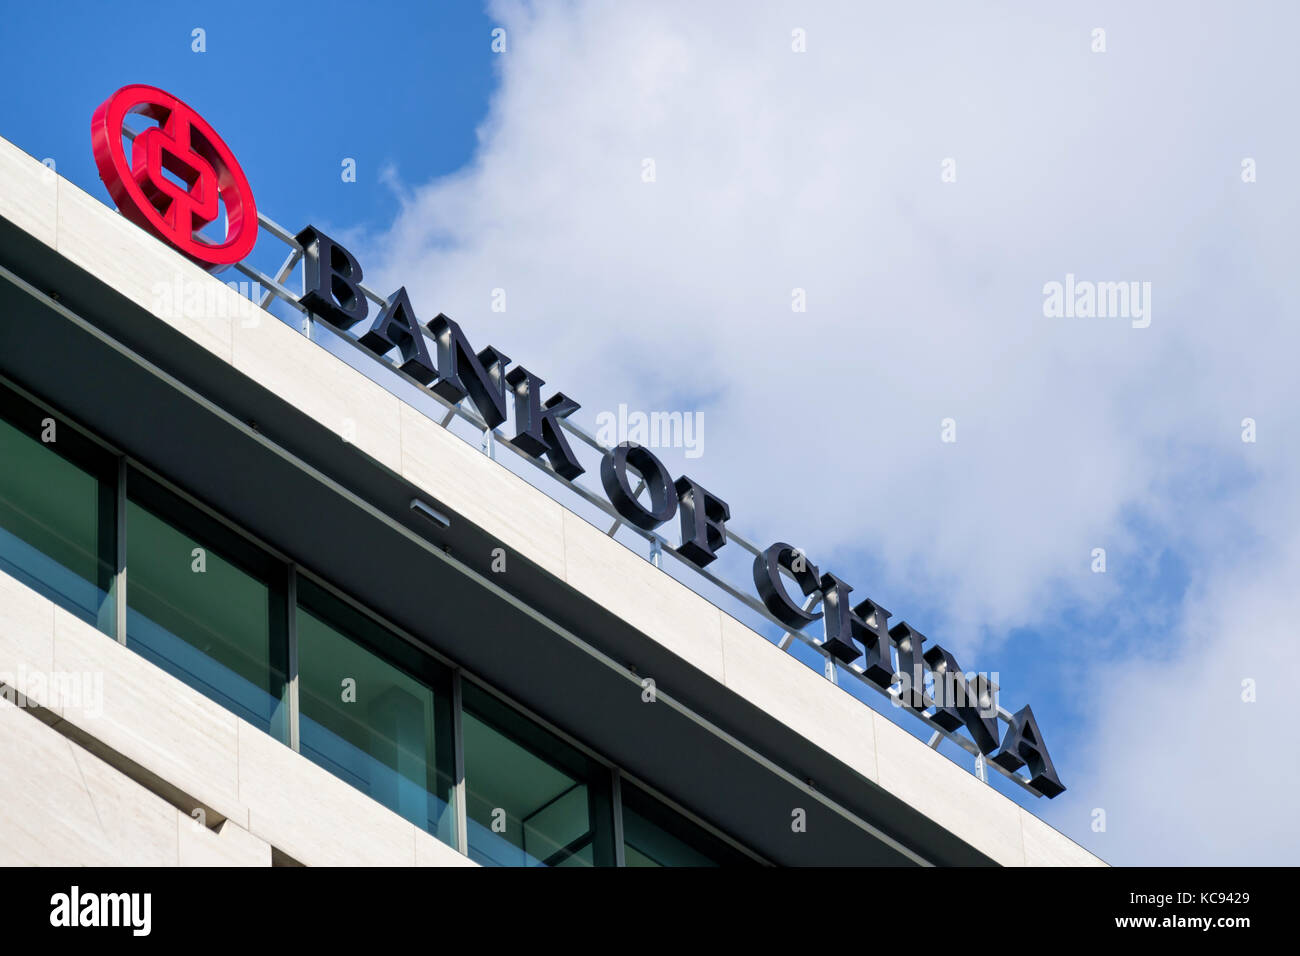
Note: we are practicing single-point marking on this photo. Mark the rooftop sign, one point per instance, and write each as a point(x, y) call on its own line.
point(438, 356)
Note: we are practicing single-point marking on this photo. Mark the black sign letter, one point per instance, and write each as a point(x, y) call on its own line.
point(618, 487)
point(703, 522)
point(486, 387)
point(867, 623)
point(1024, 744)
point(396, 325)
point(537, 426)
point(908, 640)
point(332, 280)
point(767, 578)
point(958, 702)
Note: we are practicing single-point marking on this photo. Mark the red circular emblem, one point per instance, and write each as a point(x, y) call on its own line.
point(203, 176)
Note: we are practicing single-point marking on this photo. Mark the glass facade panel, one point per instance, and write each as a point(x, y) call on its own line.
point(656, 835)
point(206, 606)
point(374, 711)
point(211, 608)
point(532, 799)
point(57, 513)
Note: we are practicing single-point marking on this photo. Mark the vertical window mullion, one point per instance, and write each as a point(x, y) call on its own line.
point(616, 792)
point(291, 605)
point(458, 756)
point(119, 606)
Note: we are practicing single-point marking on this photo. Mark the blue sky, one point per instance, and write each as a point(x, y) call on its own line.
point(293, 89)
point(821, 170)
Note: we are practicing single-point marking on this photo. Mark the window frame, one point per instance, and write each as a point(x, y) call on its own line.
point(373, 637)
point(212, 533)
point(124, 475)
point(540, 739)
point(27, 415)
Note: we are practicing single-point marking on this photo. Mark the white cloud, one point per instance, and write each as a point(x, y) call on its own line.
point(1187, 769)
point(821, 171)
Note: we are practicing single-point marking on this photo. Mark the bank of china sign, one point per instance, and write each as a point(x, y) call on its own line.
point(173, 184)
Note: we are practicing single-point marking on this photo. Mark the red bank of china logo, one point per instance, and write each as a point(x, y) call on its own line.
point(204, 175)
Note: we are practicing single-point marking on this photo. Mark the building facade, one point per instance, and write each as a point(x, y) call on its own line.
point(259, 607)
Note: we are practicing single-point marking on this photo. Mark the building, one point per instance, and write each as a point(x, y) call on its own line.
point(258, 608)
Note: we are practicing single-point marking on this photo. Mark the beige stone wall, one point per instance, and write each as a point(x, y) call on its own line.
point(115, 774)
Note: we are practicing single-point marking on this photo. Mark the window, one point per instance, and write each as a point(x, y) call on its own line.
point(656, 835)
point(374, 711)
point(218, 612)
point(57, 512)
point(531, 798)
point(206, 606)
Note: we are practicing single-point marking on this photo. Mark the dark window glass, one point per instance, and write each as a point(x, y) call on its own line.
point(57, 512)
point(656, 835)
point(374, 711)
point(531, 798)
point(206, 606)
